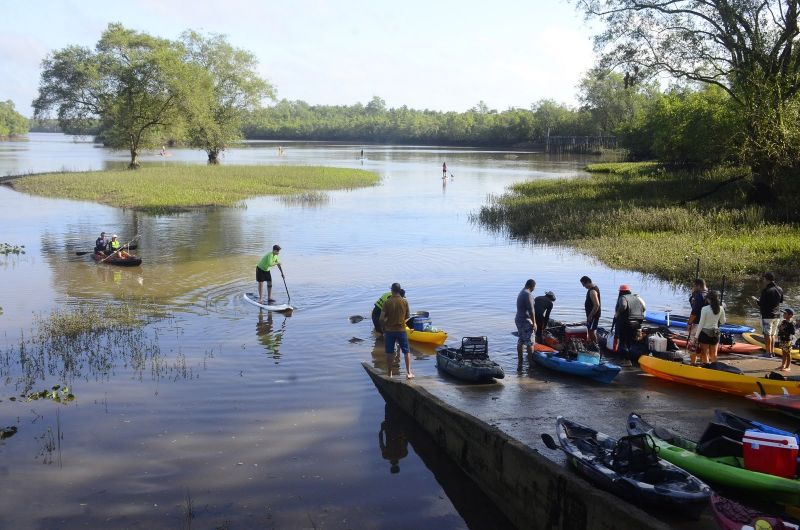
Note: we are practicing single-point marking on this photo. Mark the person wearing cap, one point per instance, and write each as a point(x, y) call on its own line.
point(100, 244)
point(542, 306)
point(115, 247)
point(263, 273)
point(592, 307)
point(393, 318)
point(628, 316)
point(786, 331)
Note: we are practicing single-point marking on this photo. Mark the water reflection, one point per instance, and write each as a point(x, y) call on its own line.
point(268, 335)
point(392, 438)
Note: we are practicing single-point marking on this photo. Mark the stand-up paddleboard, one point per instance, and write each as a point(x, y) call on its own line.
point(253, 299)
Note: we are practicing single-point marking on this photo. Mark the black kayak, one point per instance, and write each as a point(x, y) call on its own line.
point(630, 467)
point(470, 362)
point(131, 261)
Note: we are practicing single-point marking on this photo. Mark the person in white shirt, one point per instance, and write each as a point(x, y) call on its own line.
point(706, 332)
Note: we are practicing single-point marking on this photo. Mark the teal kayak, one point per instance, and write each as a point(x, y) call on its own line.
point(722, 470)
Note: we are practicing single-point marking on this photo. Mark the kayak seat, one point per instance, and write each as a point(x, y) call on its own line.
point(781, 377)
point(720, 440)
point(474, 348)
point(722, 367)
point(664, 434)
point(634, 454)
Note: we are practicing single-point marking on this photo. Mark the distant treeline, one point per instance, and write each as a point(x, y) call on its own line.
point(12, 123)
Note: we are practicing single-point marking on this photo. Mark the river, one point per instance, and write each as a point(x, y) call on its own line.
point(240, 418)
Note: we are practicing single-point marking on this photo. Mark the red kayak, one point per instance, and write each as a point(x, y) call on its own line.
point(731, 515)
point(736, 347)
point(130, 261)
point(786, 403)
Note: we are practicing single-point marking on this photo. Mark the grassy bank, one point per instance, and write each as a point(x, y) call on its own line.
point(176, 188)
point(639, 216)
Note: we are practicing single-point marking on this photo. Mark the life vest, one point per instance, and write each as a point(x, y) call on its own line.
point(635, 307)
point(114, 245)
point(382, 300)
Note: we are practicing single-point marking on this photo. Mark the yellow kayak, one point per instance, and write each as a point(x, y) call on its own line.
point(738, 384)
point(758, 340)
point(428, 337)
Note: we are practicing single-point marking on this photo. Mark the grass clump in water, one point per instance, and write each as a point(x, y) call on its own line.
point(177, 188)
point(641, 217)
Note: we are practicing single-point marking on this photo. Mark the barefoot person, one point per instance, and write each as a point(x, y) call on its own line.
point(393, 322)
point(786, 331)
point(592, 307)
point(707, 333)
point(263, 273)
point(524, 320)
point(769, 304)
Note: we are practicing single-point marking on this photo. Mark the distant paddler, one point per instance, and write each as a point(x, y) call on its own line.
point(263, 273)
point(115, 247)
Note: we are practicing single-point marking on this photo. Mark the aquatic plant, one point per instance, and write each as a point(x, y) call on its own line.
point(8, 248)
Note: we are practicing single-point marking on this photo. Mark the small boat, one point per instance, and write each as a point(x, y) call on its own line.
point(785, 403)
point(757, 340)
point(736, 347)
point(730, 515)
point(470, 362)
point(681, 321)
point(741, 424)
point(130, 261)
point(723, 466)
point(630, 468)
point(600, 371)
point(428, 337)
point(718, 380)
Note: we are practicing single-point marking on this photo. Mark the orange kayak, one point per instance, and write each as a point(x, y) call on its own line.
point(736, 347)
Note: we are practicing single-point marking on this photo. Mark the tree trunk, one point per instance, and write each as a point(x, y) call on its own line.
point(213, 156)
point(763, 190)
point(134, 159)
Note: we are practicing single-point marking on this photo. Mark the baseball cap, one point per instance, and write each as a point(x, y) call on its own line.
point(789, 310)
point(624, 287)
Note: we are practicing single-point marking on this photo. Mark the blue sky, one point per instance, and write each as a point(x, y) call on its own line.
point(443, 55)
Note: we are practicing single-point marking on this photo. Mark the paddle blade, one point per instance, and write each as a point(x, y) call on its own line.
point(82, 253)
point(355, 319)
point(549, 442)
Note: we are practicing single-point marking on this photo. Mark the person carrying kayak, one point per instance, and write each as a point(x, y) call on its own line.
point(263, 273)
point(592, 307)
point(628, 316)
point(542, 306)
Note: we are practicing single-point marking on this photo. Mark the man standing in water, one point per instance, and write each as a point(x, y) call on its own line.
point(263, 273)
point(393, 321)
point(592, 307)
point(769, 305)
point(444, 170)
point(524, 320)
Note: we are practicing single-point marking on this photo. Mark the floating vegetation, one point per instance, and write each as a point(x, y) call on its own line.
point(309, 199)
point(58, 394)
point(8, 432)
point(8, 248)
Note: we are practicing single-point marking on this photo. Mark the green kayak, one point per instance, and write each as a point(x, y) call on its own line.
point(723, 470)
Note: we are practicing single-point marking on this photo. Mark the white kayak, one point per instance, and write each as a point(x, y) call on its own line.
point(253, 299)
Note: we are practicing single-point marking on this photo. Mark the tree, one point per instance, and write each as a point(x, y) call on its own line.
point(605, 96)
point(237, 90)
point(747, 48)
point(137, 86)
point(12, 123)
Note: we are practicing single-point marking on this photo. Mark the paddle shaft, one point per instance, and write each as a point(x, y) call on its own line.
point(285, 287)
point(120, 248)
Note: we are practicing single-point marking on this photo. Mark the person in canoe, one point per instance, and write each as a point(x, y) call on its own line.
point(524, 320)
point(263, 273)
point(115, 248)
point(769, 306)
point(100, 244)
point(393, 318)
point(592, 307)
point(628, 315)
point(786, 331)
point(706, 332)
point(542, 306)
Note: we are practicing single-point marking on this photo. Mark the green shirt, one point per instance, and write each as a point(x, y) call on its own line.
point(382, 300)
point(268, 261)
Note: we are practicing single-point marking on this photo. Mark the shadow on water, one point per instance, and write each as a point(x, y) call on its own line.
point(398, 430)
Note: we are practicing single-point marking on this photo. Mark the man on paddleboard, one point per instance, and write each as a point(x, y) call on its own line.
point(263, 273)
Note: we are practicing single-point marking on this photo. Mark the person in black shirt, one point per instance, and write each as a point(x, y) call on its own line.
point(542, 306)
point(769, 305)
point(100, 244)
point(786, 331)
point(592, 307)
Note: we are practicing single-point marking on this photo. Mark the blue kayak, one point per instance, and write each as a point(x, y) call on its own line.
point(679, 321)
point(602, 373)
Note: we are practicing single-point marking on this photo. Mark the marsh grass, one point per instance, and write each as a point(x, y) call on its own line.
point(177, 188)
point(309, 199)
point(635, 216)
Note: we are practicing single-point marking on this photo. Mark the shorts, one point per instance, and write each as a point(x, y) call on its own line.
point(525, 330)
point(389, 339)
point(703, 338)
point(769, 326)
point(262, 275)
point(592, 326)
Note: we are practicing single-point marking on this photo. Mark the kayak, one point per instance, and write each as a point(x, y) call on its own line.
point(730, 515)
point(787, 404)
point(741, 424)
point(470, 362)
point(604, 372)
point(651, 481)
point(131, 261)
point(680, 321)
point(718, 380)
point(253, 299)
point(736, 347)
point(429, 337)
point(757, 339)
point(722, 470)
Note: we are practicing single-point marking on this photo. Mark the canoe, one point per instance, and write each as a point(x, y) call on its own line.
point(738, 384)
point(730, 515)
point(723, 470)
point(132, 261)
point(604, 372)
point(680, 321)
point(655, 483)
point(470, 362)
point(429, 337)
point(736, 347)
point(757, 339)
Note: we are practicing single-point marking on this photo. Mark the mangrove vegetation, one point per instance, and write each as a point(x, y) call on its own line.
point(12, 123)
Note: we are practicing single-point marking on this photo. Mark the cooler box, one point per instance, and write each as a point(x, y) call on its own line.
point(588, 357)
point(775, 454)
point(419, 323)
point(657, 343)
point(575, 332)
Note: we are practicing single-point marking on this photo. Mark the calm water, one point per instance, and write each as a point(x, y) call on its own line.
point(259, 419)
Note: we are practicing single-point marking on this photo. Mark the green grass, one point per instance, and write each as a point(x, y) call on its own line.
point(177, 188)
point(639, 217)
